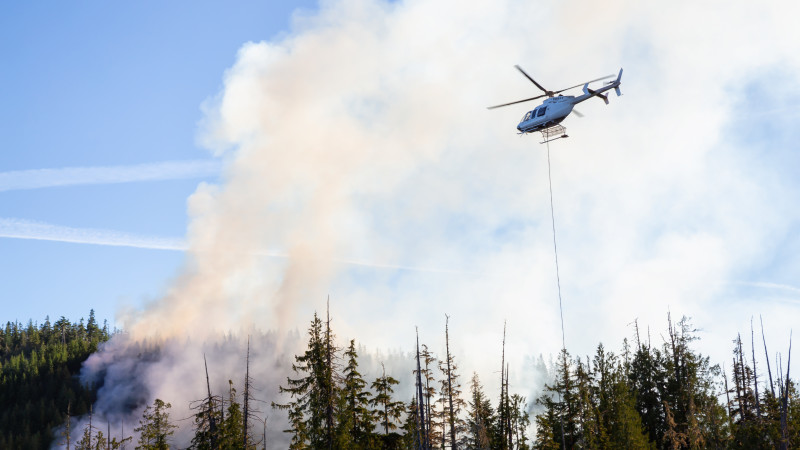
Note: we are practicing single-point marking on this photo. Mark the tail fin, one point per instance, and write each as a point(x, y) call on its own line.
point(618, 81)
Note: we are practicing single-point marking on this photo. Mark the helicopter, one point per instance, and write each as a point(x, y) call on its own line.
point(556, 108)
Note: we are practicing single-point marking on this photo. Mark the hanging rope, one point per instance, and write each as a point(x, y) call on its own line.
point(555, 248)
point(558, 282)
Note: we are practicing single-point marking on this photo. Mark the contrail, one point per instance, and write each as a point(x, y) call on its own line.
point(768, 285)
point(27, 229)
point(72, 176)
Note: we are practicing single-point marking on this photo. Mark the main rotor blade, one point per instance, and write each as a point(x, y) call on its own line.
point(597, 79)
point(532, 80)
point(518, 101)
point(577, 113)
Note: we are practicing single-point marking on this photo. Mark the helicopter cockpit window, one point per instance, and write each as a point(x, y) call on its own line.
point(541, 111)
point(527, 116)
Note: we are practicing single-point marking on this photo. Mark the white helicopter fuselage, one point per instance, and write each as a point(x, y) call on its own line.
point(551, 112)
point(555, 109)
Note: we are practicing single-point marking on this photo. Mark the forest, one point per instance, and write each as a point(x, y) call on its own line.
point(648, 396)
point(39, 388)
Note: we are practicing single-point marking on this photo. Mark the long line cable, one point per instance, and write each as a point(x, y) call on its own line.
point(555, 248)
point(558, 282)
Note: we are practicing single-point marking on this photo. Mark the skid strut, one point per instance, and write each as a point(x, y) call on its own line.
point(553, 133)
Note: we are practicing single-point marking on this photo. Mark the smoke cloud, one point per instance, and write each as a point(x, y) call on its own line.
point(362, 135)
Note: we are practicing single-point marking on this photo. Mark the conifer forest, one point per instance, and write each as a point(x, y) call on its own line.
point(645, 395)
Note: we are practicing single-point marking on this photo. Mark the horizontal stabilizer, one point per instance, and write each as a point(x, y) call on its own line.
point(595, 93)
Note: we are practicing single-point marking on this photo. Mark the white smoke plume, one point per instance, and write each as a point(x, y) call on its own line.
point(363, 135)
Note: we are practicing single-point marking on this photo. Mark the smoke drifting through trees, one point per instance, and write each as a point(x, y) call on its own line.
point(650, 396)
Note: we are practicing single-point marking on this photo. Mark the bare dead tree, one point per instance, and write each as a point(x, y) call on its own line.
point(69, 404)
point(785, 401)
point(264, 433)
point(727, 392)
point(502, 390)
point(329, 374)
point(246, 400)
point(450, 384)
point(755, 373)
point(766, 356)
point(421, 424)
point(508, 413)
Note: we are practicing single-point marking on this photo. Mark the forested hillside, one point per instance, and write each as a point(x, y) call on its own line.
point(39, 365)
point(646, 396)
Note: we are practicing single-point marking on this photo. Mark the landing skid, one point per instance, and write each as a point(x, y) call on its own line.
point(553, 133)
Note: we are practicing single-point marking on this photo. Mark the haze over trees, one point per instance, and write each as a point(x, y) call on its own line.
point(644, 396)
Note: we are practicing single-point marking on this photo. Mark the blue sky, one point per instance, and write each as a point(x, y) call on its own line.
point(93, 84)
point(357, 131)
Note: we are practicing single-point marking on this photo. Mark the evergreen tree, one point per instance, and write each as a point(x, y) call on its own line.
point(647, 378)
point(231, 428)
point(520, 420)
point(154, 427)
point(480, 420)
point(313, 392)
point(386, 409)
point(355, 420)
point(411, 429)
point(560, 404)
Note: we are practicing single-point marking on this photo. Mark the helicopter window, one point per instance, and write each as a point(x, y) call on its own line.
point(541, 111)
point(527, 116)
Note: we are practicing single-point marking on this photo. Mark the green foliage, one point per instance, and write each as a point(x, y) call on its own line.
point(312, 393)
point(387, 410)
point(154, 427)
point(665, 398)
point(39, 365)
point(355, 421)
point(480, 418)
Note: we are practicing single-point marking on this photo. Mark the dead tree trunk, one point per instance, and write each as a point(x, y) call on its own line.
point(727, 394)
point(785, 401)
point(755, 373)
point(766, 356)
point(212, 423)
point(450, 384)
point(329, 378)
point(421, 424)
point(502, 411)
point(246, 403)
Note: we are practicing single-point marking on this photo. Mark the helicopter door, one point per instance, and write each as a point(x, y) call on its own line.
point(541, 111)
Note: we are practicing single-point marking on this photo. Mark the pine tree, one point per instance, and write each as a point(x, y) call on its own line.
point(386, 409)
point(154, 427)
point(647, 379)
point(231, 430)
point(480, 420)
point(411, 429)
point(520, 420)
point(355, 420)
point(313, 392)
